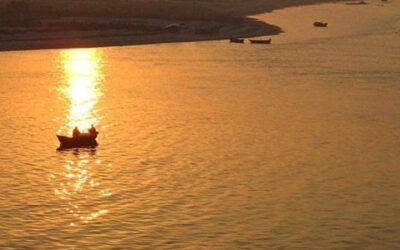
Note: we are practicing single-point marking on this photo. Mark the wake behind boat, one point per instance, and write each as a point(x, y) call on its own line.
point(79, 140)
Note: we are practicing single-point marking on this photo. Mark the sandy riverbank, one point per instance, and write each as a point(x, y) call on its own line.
point(115, 37)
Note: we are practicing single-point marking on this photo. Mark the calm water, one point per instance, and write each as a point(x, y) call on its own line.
point(210, 145)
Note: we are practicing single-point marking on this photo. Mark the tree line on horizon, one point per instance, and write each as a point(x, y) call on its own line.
point(29, 12)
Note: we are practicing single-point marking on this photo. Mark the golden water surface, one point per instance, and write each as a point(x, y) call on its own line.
point(209, 145)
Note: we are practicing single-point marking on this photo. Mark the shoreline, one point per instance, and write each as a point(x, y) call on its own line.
point(249, 27)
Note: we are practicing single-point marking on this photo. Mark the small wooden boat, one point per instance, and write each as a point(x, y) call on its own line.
point(357, 3)
point(320, 24)
point(267, 41)
point(84, 140)
point(236, 40)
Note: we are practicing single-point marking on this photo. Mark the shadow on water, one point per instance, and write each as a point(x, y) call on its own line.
point(77, 151)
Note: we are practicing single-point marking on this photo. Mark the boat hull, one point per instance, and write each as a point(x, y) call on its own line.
point(82, 141)
point(260, 41)
point(236, 40)
point(320, 24)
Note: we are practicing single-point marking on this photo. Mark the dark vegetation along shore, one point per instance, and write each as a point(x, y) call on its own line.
point(36, 24)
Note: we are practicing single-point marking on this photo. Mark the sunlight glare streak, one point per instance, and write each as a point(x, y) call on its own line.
point(83, 73)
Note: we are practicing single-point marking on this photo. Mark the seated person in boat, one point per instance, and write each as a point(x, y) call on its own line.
point(76, 132)
point(92, 130)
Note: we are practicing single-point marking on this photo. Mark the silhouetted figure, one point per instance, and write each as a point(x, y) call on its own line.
point(78, 139)
point(76, 132)
point(93, 130)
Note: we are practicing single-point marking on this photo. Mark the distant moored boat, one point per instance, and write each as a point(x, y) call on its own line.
point(320, 24)
point(358, 3)
point(236, 40)
point(267, 41)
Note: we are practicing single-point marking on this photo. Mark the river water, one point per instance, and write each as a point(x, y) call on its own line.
point(210, 145)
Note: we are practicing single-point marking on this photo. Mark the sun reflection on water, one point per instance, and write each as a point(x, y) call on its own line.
point(80, 189)
point(77, 183)
point(82, 88)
